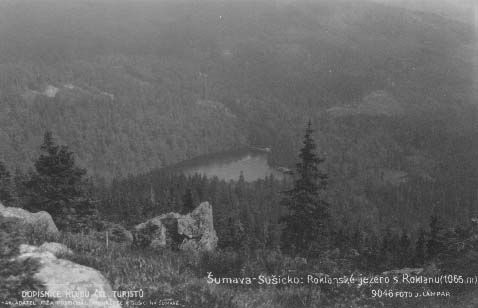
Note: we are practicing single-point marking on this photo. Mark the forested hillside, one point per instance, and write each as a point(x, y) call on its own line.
point(365, 111)
point(137, 85)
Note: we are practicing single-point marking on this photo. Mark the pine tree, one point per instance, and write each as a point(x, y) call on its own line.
point(306, 224)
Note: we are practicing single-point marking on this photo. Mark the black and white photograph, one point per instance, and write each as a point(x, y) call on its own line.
point(239, 153)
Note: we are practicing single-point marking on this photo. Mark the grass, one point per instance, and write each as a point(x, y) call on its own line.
point(182, 276)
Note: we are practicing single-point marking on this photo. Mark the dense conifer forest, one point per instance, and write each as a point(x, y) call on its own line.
point(371, 105)
point(294, 214)
point(394, 118)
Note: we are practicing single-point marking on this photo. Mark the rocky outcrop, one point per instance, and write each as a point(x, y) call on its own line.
point(68, 281)
point(193, 231)
point(51, 91)
point(198, 227)
point(40, 221)
point(56, 249)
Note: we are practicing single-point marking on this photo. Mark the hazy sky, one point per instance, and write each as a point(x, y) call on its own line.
point(475, 70)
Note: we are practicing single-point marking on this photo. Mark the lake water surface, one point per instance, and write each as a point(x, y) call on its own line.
point(228, 166)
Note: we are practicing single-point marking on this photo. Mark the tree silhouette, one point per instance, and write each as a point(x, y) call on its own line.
point(420, 248)
point(436, 241)
point(306, 224)
point(188, 201)
point(7, 190)
point(58, 184)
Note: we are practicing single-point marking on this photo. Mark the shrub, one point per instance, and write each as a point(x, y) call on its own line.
point(222, 263)
point(15, 275)
point(116, 232)
point(143, 238)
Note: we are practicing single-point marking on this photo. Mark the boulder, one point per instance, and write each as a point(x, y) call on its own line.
point(56, 249)
point(69, 281)
point(198, 228)
point(193, 231)
point(40, 221)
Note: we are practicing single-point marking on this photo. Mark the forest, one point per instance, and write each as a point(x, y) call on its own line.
point(135, 87)
point(100, 101)
point(390, 91)
point(265, 226)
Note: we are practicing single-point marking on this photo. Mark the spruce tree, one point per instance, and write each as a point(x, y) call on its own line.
point(387, 251)
point(436, 241)
point(405, 250)
point(306, 225)
point(188, 201)
point(372, 254)
point(420, 248)
point(58, 185)
point(7, 190)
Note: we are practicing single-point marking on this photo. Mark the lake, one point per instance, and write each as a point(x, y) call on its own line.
point(253, 163)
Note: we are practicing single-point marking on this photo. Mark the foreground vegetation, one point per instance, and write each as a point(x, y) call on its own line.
point(183, 276)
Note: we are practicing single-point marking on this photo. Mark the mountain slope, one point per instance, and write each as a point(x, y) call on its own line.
point(131, 76)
